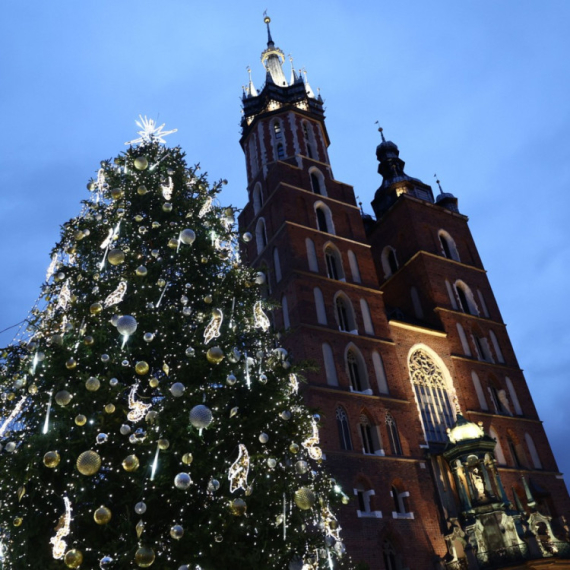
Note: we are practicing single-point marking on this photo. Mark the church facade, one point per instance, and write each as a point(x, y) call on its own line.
point(426, 420)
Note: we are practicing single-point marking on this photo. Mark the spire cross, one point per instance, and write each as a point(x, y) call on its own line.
point(437, 181)
point(381, 131)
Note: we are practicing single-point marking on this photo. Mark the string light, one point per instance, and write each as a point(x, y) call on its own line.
point(13, 415)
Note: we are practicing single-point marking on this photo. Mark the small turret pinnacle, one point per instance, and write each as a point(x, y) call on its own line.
point(438, 184)
point(381, 131)
point(252, 91)
point(293, 74)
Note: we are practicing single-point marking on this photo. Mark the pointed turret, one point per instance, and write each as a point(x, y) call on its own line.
point(395, 181)
point(446, 199)
point(251, 90)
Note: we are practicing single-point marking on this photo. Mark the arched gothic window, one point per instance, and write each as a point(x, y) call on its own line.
point(276, 265)
point(277, 130)
point(354, 266)
point(261, 235)
point(330, 368)
point(309, 142)
point(390, 557)
point(317, 181)
point(466, 299)
point(448, 245)
point(257, 198)
point(343, 429)
point(344, 314)
point(393, 434)
point(253, 160)
point(333, 263)
point(431, 394)
point(371, 443)
point(356, 371)
point(280, 151)
point(389, 261)
point(324, 218)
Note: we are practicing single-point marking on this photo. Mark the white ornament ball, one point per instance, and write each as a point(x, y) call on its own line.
point(187, 236)
point(125, 429)
point(182, 481)
point(177, 389)
point(10, 447)
point(260, 278)
point(126, 325)
point(271, 463)
point(285, 415)
point(263, 438)
point(140, 508)
point(231, 380)
point(201, 416)
point(148, 337)
point(247, 237)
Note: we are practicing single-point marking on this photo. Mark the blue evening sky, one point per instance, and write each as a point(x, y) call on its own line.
point(477, 91)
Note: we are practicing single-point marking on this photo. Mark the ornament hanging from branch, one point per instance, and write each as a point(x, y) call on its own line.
point(260, 318)
point(206, 207)
point(59, 545)
point(64, 296)
point(332, 527)
point(312, 442)
point(137, 409)
point(167, 189)
point(117, 295)
point(213, 329)
point(239, 470)
point(293, 383)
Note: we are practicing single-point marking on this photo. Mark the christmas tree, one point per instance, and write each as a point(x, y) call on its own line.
point(149, 416)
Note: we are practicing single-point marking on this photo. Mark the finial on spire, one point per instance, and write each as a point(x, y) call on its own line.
point(437, 182)
point(293, 74)
point(267, 20)
point(381, 131)
point(310, 92)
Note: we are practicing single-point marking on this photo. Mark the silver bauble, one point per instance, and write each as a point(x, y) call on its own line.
point(263, 438)
point(260, 278)
point(126, 325)
point(177, 389)
point(231, 380)
point(148, 337)
point(247, 237)
point(187, 236)
point(140, 508)
point(125, 429)
point(201, 416)
point(182, 481)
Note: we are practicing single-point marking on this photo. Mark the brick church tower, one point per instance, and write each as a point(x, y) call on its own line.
point(426, 418)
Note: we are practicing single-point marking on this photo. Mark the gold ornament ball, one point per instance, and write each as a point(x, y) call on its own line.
point(110, 408)
point(294, 448)
point(73, 558)
point(167, 207)
point(88, 340)
point(18, 521)
point(215, 355)
point(80, 420)
point(141, 163)
point(52, 459)
point(304, 498)
point(187, 458)
point(116, 193)
point(177, 532)
point(163, 444)
point(33, 389)
point(116, 257)
point(142, 190)
point(11, 396)
point(173, 243)
point(102, 515)
point(153, 382)
point(88, 463)
point(131, 463)
point(78, 235)
point(71, 364)
point(141, 271)
point(208, 299)
point(345, 500)
point(95, 308)
point(92, 384)
point(142, 367)
point(144, 557)
point(238, 507)
point(63, 397)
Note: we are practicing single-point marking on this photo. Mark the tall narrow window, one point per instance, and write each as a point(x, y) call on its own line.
point(311, 255)
point(320, 306)
point(368, 446)
point(322, 220)
point(393, 434)
point(463, 300)
point(356, 369)
point(344, 314)
point(479, 391)
point(389, 261)
point(330, 368)
point(343, 429)
point(333, 263)
point(353, 262)
point(532, 450)
point(448, 246)
point(253, 160)
point(257, 198)
point(276, 265)
point(315, 183)
point(285, 309)
point(497, 348)
point(280, 151)
point(260, 235)
point(431, 394)
point(463, 338)
point(389, 556)
point(515, 453)
point(452, 299)
point(380, 372)
point(445, 246)
point(366, 317)
point(499, 454)
point(277, 130)
point(466, 299)
point(514, 397)
point(308, 140)
point(416, 303)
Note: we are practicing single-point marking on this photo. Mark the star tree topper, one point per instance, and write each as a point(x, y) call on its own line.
point(150, 132)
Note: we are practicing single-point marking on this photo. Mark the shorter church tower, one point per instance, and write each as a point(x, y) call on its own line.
point(426, 420)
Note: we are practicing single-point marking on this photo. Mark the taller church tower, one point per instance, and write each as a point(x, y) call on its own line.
point(426, 419)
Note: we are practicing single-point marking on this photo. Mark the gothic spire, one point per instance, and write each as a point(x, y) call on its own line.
point(273, 58)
